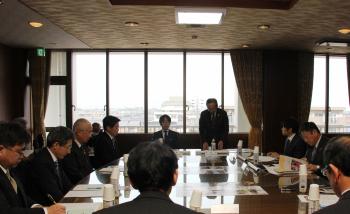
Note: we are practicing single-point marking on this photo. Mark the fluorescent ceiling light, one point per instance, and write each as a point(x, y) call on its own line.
point(201, 16)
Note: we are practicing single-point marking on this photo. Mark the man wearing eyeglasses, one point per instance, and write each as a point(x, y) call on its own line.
point(13, 199)
point(337, 170)
point(47, 176)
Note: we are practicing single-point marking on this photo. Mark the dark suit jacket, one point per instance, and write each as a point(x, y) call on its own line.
point(341, 207)
point(148, 203)
point(76, 165)
point(216, 128)
point(296, 148)
point(318, 158)
point(170, 139)
point(105, 152)
point(44, 179)
point(12, 202)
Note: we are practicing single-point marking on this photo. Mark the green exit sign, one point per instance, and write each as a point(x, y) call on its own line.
point(40, 51)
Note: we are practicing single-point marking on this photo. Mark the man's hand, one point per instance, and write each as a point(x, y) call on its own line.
point(220, 145)
point(56, 209)
point(205, 146)
point(273, 154)
point(312, 167)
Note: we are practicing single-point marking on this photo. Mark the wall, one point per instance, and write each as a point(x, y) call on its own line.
point(12, 82)
point(280, 95)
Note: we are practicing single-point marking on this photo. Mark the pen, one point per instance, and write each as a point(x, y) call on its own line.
point(51, 199)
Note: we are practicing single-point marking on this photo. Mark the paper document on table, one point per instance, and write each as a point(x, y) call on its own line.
point(219, 189)
point(225, 208)
point(108, 170)
point(88, 187)
point(274, 169)
point(222, 152)
point(84, 194)
point(82, 208)
point(205, 170)
point(263, 159)
point(325, 199)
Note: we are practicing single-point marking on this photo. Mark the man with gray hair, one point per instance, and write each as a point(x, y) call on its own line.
point(76, 164)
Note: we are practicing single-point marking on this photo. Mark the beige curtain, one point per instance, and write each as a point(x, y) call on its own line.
point(304, 85)
point(39, 69)
point(247, 66)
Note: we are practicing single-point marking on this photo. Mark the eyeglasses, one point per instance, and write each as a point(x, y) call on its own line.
point(324, 171)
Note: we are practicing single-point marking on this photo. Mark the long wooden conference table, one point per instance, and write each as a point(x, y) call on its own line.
point(223, 179)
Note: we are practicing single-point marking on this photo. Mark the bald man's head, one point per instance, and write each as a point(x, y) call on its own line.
point(82, 130)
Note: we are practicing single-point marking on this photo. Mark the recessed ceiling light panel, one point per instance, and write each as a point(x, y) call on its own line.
point(200, 16)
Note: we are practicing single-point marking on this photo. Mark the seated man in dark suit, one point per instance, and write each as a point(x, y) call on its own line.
point(47, 175)
point(13, 199)
point(317, 142)
point(168, 136)
point(294, 145)
point(213, 124)
point(337, 170)
point(76, 164)
point(105, 144)
point(152, 169)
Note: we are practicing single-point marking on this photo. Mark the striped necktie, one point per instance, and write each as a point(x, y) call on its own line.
point(12, 180)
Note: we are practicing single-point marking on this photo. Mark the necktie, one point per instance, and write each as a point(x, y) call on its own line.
point(58, 171)
point(286, 144)
point(12, 180)
point(165, 134)
point(313, 154)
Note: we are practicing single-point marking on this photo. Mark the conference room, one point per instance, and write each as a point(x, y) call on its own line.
point(263, 61)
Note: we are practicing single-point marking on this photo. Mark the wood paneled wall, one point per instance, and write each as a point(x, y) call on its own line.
point(12, 82)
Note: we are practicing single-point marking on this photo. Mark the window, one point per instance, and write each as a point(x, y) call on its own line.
point(165, 89)
point(338, 102)
point(318, 101)
point(339, 116)
point(162, 77)
point(89, 85)
point(126, 90)
point(203, 81)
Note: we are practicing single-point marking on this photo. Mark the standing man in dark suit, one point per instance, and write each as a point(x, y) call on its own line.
point(317, 142)
point(153, 177)
point(47, 175)
point(76, 164)
point(337, 170)
point(105, 143)
point(168, 136)
point(13, 199)
point(294, 145)
point(213, 124)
